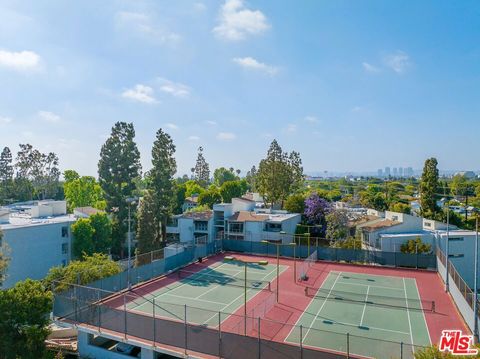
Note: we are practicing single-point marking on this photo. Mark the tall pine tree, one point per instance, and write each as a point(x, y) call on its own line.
point(118, 168)
point(201, 172)
point(429, 188)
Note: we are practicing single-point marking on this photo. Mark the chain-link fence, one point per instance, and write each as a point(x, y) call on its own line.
point(213, 333)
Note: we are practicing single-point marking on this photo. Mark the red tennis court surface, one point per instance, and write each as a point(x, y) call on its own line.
point(277, 320)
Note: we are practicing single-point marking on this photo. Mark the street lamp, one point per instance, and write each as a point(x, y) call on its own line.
point(130, 201)
point(278, 262)
point(475, 279)
point(447, 248)
point(245, 264)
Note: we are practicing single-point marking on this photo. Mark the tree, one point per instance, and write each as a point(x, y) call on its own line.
point(82, 232)
point(279, 174)
point(118, 168)
point(6, 174)
point(400, 207)
point(348, 243)
point(40, 169)
point(415, 246)
point(82, 191)
point(232, 189)
point(461, 186)
point(23, 327)
point(210, 197)
point(251, 178)
point(148, 234)
point(222, 175)
point(429, 188)
point(4, 259)
point(161, 181)
point(316, 210)
point(102, 235)
point(192, 187)
point(91, 268)
point(295, 203)
point(337, 225)
point(180, 195)
point(201, 172)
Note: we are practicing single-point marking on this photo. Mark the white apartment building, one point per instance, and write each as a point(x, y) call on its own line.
point(37, 237)
point(241, 220)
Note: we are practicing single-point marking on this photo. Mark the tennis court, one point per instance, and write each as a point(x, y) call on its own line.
point(205, 293)
point(387, 309)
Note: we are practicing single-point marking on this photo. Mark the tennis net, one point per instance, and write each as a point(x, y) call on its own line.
point(378, 300)
point(223, 280)
point(307, 264)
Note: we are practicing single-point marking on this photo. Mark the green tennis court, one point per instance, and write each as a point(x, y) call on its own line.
point(207, 292)
point(377, 312)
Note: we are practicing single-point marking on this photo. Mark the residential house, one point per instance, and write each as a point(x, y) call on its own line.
point(190, 202)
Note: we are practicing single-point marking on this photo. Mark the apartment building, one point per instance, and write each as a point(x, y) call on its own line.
point(37, 237)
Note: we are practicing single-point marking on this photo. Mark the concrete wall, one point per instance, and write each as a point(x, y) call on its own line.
point(34, 249)
point(241, 205)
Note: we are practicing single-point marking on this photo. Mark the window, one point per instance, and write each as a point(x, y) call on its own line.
point(64, 248)
point(273, 227)
point(394, 218)
point(64, 232)
point(201, 225)
point(456, 239)
point(428, 224)
point(236, 227)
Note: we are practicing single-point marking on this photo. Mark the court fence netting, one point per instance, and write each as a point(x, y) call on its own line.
point(224, 280)
point(102, 306)
point(205, 331)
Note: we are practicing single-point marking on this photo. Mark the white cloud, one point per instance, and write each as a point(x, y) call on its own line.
point(5, 120)
point(171, 126)
point(236, 21)
point(311, 119)
point(144, 25)
point(193, 138)
point(20, 61)
point(140, 93)
point(211, 123)
point(370, 68)
point(199, 6)
point(226, 136)
point(176, 89)
point(250, 63)
point(291, 128)
point(398, 61)
point(49, 117)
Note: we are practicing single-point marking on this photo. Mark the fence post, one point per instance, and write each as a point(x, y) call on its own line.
point(348, 345)
point(259, 340)
point(401, 350)
point(75, 303)
point(186, 329)
point(219, 334)
point(154, 322)
point(125, 313)
point(301, 341)
point(99, 313)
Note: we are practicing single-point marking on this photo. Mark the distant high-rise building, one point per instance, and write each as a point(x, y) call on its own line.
point(395, 172)
point(400, 172)
point(380, 172)
point(387, 171)
point(409, 172)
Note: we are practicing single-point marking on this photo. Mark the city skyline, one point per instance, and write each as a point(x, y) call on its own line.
point(230, 76)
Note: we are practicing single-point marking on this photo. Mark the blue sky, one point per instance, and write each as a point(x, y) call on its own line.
point(351, 85)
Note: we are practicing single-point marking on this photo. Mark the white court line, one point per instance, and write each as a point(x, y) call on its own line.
point(241, 295)
point(319, 310)
point(201, 300)
point(376, 328)
point(365, 306)
point(369, 285)
point(423, 312)
point(408, 314)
